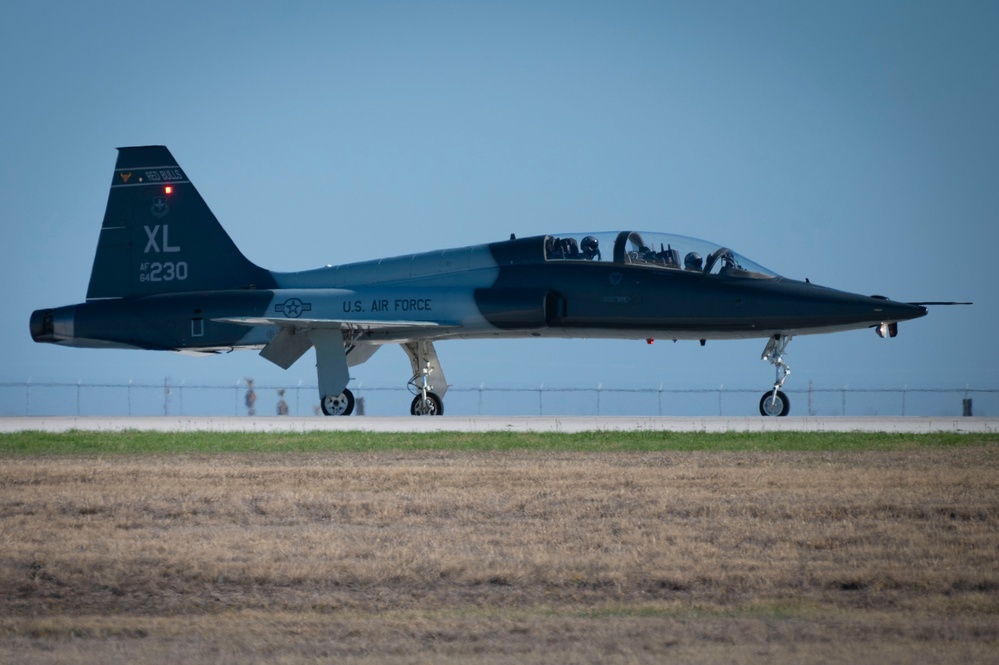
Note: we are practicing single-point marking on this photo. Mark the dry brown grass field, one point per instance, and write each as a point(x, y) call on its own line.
point(501, 557)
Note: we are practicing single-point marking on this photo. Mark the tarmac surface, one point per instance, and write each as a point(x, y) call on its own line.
point(908, 424)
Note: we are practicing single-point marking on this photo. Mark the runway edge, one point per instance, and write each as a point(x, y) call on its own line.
point(568, 424)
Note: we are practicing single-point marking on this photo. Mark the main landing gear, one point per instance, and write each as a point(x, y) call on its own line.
point(428, 383)
point(338, 405)
point(775, 402)
point(331, 367)
point(426, 403)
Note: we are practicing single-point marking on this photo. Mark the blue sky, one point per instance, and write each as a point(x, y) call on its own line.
point(853, 143)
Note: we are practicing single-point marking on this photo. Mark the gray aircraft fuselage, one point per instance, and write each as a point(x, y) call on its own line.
point(167, 277)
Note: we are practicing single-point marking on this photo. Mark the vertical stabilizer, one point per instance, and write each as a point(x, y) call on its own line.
point(159, 236)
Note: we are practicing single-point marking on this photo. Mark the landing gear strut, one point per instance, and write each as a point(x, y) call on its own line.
point(428, 383)
point(775, 402)
point(331, 368)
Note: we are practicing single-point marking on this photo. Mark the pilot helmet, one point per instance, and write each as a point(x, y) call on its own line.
point(692, 261)
point(590, 246)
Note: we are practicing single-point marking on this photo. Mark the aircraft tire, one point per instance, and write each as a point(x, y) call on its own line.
point(432, 406)
point(338, 405)
point(770, 407)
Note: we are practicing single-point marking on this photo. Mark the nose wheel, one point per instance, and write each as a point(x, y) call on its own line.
point(774, 402)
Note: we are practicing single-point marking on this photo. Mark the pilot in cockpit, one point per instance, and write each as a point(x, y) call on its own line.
point(590, 248)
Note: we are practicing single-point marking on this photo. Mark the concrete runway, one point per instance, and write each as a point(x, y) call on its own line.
point(911, 425)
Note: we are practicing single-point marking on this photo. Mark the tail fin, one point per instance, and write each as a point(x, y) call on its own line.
point(159, 235)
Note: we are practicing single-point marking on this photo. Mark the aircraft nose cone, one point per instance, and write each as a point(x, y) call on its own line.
point(891, 310)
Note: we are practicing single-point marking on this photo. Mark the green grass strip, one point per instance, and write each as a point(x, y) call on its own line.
point(143, 442)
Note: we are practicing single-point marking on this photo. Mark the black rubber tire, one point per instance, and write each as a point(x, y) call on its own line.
point(770, 408)
point(433, 407)
point(338, 405)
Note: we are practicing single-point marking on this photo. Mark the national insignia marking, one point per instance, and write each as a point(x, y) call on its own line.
point(293, 308)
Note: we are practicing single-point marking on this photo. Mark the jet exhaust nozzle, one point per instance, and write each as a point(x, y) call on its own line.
point(51, 326)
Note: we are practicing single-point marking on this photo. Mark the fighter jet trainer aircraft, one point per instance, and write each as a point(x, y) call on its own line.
point(167, 276)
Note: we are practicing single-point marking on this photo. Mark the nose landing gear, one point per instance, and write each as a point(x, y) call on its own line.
point(775, 402)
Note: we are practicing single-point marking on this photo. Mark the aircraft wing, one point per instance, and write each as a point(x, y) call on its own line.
point(293, 338)
point(331, 324)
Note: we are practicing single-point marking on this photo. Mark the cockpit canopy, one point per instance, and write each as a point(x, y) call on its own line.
point(657, 250)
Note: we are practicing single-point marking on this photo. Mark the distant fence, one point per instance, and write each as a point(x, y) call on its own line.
point(183, 399)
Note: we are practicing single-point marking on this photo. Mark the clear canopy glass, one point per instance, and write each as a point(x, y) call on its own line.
point(656, 250)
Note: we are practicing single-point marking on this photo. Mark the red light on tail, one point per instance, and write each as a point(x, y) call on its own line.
point(168, 189)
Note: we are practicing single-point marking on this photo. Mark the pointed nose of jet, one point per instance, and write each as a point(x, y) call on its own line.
point(891, 310)
point(816, 307)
